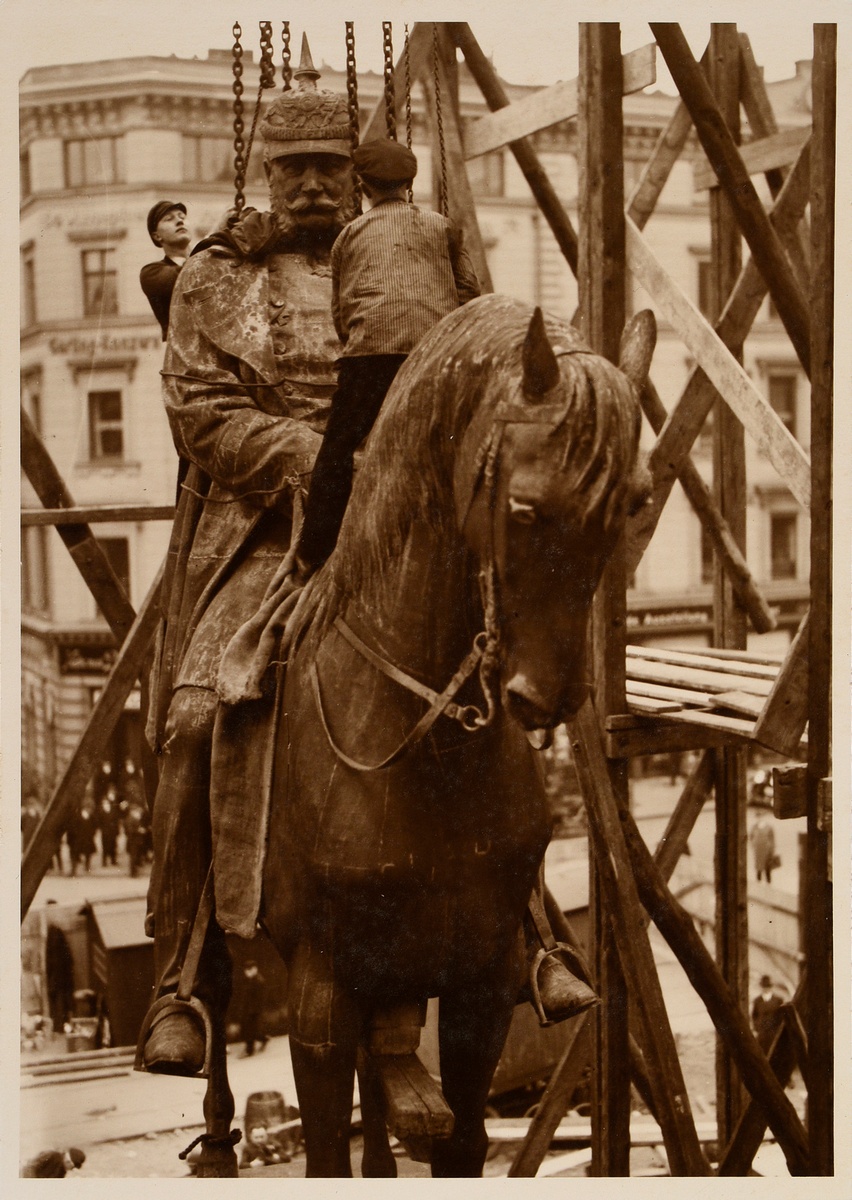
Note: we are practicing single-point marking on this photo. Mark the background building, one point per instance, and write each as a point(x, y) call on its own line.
point(100, 143)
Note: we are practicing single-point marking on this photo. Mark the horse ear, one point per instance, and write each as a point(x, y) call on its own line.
point(637, 347)
point(541, 370)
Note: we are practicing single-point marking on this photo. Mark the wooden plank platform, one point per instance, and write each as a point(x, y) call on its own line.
point(414, 1104)
point(721, 690)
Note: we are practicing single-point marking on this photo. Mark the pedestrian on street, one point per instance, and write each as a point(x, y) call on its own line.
point(251, 1029)
point(136, 828)
point(54, 1164)
point(30, 818)
point(766, 1016)
point(59, 974)
point(762, 838)
point(108, 825)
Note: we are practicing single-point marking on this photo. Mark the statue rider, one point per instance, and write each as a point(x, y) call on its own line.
point(247, 381)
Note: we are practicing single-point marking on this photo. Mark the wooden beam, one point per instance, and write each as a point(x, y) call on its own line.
point(657, 169)
point(96, 514)
point(691, 801)
point(549, 106)
point(767, 429)
point(697, 492)
point(462, 208)
point(420, 56)
point(778, 150)
point(90, 749)
point(606, 829)
point(733, 176)
point(678, 929)
point(633, 737)
point(784, 716)
point(740, 1151)
point(761, 118)
point(818, 887)
point(601, 288)
point(684, 422)
point(542, 189)
point(553, 1104)
point(88, 555)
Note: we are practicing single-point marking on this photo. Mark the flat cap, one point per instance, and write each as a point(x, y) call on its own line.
point(160, 209)
point(77, 1156)
point(766, 981)
point(385, 160)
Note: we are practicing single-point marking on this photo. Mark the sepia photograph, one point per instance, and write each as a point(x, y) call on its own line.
point(426, 626)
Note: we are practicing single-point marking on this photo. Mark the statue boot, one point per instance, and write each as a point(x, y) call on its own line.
point(552, 988)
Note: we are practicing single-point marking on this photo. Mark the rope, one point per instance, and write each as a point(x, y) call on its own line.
point(239, 144)
point(442, 177)
point(352, 103)
point(489, 666)
point(209, 1139)
point(390, 95)
point(286, 69)
point(407, 57)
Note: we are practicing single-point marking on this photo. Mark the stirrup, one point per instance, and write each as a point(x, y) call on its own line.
point(561, 950)
point(192, 1007)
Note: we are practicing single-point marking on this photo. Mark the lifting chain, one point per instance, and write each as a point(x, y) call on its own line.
point(407, 57)
point(390, 98)
point(439, 116)
point(286, 69)
point(239, 144)
point(267, 80)
point(352, 101)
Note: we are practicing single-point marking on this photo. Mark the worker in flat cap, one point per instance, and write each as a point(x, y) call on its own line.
point(167, 229)
point(396, 271)
point(54, 1164)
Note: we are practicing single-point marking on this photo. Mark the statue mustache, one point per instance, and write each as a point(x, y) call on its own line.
point(306, 203)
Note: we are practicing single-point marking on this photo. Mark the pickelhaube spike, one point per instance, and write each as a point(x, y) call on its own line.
point(306, 73)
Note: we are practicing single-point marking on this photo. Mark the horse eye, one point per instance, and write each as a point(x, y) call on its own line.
point(521, 511)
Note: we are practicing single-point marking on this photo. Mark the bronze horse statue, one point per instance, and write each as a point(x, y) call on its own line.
point(408, 821)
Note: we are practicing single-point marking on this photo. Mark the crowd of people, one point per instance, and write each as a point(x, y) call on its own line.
point(113, 814)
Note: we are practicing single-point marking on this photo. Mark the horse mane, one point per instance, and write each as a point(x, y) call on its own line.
point(468, 364)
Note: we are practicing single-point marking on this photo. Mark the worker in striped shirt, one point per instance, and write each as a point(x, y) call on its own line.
point(396, 271)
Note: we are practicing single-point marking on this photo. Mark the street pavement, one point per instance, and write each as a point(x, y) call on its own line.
point(130, 1105)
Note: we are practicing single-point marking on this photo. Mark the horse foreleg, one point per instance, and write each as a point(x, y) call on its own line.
point(218, 1159)
point(325, 1027)
point(472, 1030)
point(377, 1161)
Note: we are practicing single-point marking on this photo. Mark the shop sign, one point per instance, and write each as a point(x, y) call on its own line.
point(86, 660)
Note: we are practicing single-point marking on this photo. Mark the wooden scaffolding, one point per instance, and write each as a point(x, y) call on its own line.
point(717, 702)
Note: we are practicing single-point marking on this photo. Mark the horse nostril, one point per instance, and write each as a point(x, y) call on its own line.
point(526, 706)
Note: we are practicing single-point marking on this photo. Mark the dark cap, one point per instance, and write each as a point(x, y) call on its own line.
point(159, 210)
point(77, 1156)
point(765, 981)
point(385, 161)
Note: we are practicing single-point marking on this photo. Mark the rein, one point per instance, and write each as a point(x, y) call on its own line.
point(468, 715)
point(477, 461)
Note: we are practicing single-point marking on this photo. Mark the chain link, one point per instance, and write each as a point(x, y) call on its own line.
point(352, 101)
point(239, 144)
point(408, 135)
point(390, 97)
point(267, 80)
point(286, 69)
point(442, 179)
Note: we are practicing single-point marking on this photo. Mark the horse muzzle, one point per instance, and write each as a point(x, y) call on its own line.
point(532, 710)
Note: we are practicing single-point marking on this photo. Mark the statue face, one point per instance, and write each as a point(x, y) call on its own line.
point(311, 193)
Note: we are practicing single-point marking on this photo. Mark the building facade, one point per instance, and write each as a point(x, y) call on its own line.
point(100, 143)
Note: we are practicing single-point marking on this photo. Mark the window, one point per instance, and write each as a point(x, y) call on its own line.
point(211, 160)
point(25, 175)
point(705, 287)
point(485, 173)
point(28, 285)
point(106, 426)
point(117, 550)
point(782, 541)
point(707, 556)
point(98, 160)
point(782, 397)
point(35, 592)
point(100, 283)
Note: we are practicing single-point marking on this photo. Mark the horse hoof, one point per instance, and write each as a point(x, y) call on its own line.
point(175, 1046)
point(562, 994)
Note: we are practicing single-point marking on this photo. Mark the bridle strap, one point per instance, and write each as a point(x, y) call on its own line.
point(439, 702)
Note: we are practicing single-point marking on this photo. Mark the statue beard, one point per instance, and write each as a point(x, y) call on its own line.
point(312, 223)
